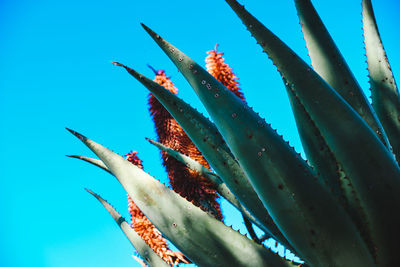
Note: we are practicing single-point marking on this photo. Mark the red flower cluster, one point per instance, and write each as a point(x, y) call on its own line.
point(222, 72)
point(146, 230)
point(187, 183)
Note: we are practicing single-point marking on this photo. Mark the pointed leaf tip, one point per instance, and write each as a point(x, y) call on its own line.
point(150, 32)
point(144, 26)
point(114, 213)
point(151, 141)
point(75, 156)
point(118, 64)
point(80, 136)
point(90, 191)
point(138, 243)
point(131, 71)
point(93, 193)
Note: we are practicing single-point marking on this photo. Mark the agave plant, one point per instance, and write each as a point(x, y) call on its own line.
point(338, 208)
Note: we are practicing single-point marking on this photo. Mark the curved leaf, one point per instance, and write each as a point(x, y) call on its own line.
point(329, 63)
point(384, 91)
point(221, 187)
point(182, 222)
point(137, 242)
point(188, 161)
point(209, 141)
point(369, 166)
point(283, 181)
point(329, 169)
point(93, 161)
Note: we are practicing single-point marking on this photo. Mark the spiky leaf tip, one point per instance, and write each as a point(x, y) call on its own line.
point(137, 242)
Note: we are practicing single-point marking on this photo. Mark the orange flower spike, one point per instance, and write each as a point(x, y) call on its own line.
point(221, 71)
point(189, 184)
point(146, 230)
point(165, 81)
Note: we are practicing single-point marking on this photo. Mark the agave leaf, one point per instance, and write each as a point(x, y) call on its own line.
point(329, 63)
point(369, 166)
point(384, 91)
point(181, 222)
point(330, 172)
point(221, 187)
point(93, 161)
point(210, 143)
point(101, 165)
point(137, 242)
point(316, 149)
point(188, 161)
point(283, 181)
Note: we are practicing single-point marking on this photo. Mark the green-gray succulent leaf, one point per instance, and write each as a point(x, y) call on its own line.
point(329, 63)
point(368, 164)
point(330, 172)
point(202, 238)
point(304, 210)
point(318, 152)
point(210, 143)
point(93, 161)
point(188, 161)
point(384, 91)
point(144, 250)
point(221, 187)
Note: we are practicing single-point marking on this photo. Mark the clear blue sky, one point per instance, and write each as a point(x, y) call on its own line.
point(55, 73)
